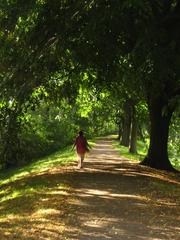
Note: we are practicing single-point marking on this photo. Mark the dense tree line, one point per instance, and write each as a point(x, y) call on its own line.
point(131, 49)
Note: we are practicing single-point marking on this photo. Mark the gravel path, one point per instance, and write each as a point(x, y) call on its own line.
point(114, 198)
point(110, 198)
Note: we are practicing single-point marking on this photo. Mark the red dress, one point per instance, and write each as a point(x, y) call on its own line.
point(81, 145)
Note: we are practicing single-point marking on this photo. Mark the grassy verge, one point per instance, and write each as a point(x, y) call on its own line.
point(56, 159)
point(14, 182)
point(31, 181)
point(142, 151)
point(35, 194)
point(35, 197)
point(124, 151)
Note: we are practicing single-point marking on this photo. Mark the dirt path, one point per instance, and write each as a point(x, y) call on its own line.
point(110, 198)
point(114, 198)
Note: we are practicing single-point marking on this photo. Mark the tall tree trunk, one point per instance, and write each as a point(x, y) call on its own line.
point(119, 131)
point(133, 140)
point(157, 156)
point(126, 126)
point(120, 122)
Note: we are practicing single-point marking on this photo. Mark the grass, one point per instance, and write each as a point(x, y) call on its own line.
point(142, 149)
point(124, 151)
point(14, 182)
point(56, 159)
point(34, 193)
point(176, 164)
point(35, 197)
point(34, 200)
point(9, 178)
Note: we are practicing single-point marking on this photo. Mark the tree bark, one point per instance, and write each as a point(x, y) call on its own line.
point(120, 128)
point(133, 140)
point(119, 132)
point(157, 156)
point(126, 126)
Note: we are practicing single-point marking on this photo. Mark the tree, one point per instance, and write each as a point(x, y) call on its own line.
point(108, 38)
point(133, 139)
point(146, 35)
point(126, 125)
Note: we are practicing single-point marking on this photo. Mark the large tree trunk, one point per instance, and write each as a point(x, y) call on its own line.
point(120, 128)
point(157, 156)
point(126, 126)
point(119, 132)
point(133, 140)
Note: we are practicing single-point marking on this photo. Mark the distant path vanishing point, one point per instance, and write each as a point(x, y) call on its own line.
point(111, 198)
point(114, 198)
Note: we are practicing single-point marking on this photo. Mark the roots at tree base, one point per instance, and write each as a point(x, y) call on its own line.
point(161, 165)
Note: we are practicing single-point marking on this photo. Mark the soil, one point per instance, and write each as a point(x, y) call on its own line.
point(109, 198)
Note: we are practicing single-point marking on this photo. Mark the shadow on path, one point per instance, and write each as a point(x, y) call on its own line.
point(110, 198)
point(115, 198)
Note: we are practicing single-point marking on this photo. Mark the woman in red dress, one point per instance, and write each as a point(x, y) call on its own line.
point(81, 147)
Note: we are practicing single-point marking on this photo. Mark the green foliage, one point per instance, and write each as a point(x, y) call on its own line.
point(142, 148)
point(46, 130)
point(174, 141)
point(49, 49)
point(46, 127)
point(56, 160)
point(96, 112)
point(124, 151)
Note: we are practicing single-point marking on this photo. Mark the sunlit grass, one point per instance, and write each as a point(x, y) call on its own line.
point(142, 149)
point(59, 158)
point(35, 193)
point(124, 151)
point(176, 163)
point(24, 181)
point(37, 201)
point(31, 182)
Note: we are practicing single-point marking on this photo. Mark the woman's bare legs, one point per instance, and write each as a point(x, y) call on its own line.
point(80, 161)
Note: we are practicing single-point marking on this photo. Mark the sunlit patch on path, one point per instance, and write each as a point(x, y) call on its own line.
point(110, 198)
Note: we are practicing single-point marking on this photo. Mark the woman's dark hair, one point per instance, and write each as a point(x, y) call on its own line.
point(80, 133)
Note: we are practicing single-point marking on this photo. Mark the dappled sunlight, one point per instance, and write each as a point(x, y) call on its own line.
point(15, 177)
point(45, 212)
point(58, 192)
point(95, 223)
point(159, 175)
point(104, 157)
point(10, 196)
point(41, 214)
point(48, 164)
point(108, 194)
point(110, 198)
